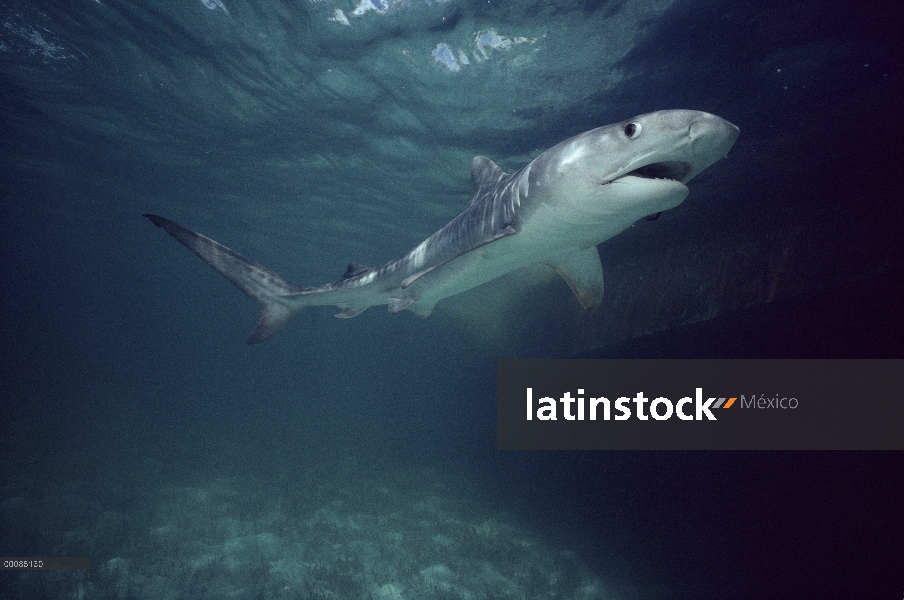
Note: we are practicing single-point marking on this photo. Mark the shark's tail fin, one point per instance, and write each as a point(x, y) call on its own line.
point(276, 296)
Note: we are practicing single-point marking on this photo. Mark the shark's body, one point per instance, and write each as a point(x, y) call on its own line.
point(554, 211)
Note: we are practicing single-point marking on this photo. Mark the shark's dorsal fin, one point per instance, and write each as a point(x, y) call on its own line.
point(583, 272)
point(353, 269)
point(484, 175)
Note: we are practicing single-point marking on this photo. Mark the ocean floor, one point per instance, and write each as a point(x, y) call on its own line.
point(352, 537)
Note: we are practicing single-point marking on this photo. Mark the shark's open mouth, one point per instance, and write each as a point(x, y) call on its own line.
point(663, 170)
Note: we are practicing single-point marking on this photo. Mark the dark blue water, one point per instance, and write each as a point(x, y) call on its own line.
point(356, 458)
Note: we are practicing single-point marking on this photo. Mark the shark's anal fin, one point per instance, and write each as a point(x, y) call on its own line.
point(505, 231)
point(350, 311)
point(397, 305)
point(260, 284)
point(583, 272)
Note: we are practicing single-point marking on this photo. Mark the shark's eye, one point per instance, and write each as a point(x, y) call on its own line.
point(632, 130)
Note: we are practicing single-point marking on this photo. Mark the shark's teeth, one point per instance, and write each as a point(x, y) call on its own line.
point(673, 170)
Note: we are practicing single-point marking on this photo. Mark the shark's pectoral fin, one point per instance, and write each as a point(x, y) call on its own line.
point(583, 272)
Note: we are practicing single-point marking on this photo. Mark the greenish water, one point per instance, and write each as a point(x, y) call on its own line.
point(356, 458)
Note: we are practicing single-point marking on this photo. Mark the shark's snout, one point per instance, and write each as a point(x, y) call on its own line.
point(712, 136)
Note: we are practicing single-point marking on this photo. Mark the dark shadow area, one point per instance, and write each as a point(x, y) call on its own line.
point(715, 525)
point(859, 320)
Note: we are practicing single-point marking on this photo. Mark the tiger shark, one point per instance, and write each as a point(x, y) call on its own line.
point(554, 211)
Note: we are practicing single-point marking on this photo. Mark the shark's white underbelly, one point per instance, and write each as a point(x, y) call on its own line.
point(547, 243)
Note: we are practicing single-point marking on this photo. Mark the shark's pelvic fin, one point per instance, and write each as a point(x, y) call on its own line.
point(583, 272)
point(260, 284)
